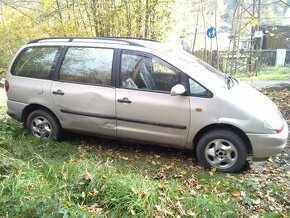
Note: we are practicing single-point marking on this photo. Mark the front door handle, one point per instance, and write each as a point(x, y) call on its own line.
point(124, 100)
point(58, 92)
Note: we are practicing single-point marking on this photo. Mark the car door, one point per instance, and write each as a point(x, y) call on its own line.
point(145, 109)
point(82, 93)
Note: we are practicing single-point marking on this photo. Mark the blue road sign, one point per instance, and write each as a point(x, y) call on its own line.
point(211, 32)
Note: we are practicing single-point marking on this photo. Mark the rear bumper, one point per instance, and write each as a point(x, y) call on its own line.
point(266, 145)
point(15, 109)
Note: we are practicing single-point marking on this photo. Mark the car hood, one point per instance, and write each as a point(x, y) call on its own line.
point(253, 103)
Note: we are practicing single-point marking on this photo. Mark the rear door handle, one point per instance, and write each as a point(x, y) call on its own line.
point(58, 92)
point(124, 100)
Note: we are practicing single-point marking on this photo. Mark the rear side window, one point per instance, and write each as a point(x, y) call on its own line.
point(35, 62)
point(87, 65)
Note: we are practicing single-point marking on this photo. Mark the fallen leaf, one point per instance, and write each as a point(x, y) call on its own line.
point(88, 176)
point(191, 182)
point(158, 207)
point(134, 190)
point(180, 209)
point(243, 194)
point(160, 174)
point(178, 176)
point(236, 194)
point(124, 158)
point(157, 156)
point(256, 201)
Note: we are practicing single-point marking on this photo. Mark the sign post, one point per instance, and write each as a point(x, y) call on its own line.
point(211, 33)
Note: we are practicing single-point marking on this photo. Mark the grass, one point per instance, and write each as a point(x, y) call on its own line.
point(92, 177)
point(2, 72)
point(267, 73)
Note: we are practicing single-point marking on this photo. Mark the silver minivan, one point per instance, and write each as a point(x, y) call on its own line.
point(143, 91)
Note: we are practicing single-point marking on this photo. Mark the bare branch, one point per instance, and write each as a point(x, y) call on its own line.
point(284, 3)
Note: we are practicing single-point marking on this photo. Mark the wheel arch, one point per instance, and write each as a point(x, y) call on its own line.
point(229, 127)
point(32, 107)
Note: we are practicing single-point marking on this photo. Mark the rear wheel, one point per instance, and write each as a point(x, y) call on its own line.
point(43, 124)
point(223, 150)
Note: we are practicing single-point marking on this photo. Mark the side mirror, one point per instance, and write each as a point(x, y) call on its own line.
point(177, 90)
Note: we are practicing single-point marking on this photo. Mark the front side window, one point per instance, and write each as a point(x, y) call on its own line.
point(87, 65)
point(147, 72)
point(35, 62)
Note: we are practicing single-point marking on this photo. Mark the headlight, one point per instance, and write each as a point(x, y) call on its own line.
point(269, 124)
point(275, 123)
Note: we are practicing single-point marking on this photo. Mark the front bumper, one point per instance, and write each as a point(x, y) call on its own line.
point(266, 145)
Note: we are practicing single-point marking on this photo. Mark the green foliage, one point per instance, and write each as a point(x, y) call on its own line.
point(2, 64)
point(23, 21)
point(9, 129)
point(267, 73)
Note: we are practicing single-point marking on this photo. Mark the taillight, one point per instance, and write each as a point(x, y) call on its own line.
point(6, 85)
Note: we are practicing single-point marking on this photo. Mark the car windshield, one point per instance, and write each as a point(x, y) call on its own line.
point(203, 69)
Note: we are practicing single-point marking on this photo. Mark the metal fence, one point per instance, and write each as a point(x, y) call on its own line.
point(241, 61)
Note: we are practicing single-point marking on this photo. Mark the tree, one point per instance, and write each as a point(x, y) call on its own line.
point(22, 21)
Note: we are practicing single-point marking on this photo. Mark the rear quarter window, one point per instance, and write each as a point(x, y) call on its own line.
point(35, 62)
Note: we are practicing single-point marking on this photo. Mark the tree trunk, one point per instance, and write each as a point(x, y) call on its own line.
point(60, 16)
point(139, 14)
point(94, 16)
point(147, 15)
point(128, 18)
point(196, 27)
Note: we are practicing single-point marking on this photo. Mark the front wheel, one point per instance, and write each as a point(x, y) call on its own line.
point(43, 124)
point(223, 150)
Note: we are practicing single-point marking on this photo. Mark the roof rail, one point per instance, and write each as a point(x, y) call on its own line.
point(117, 39)
point(121, 37)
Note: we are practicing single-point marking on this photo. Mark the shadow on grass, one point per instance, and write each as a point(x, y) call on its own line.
point(109, 144)
point(136, 157)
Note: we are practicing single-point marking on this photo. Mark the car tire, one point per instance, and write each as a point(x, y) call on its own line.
point(43, 124)
point(223, 150)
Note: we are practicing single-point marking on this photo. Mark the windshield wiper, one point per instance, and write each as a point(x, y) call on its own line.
point(237, 81)
point(230, 81)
